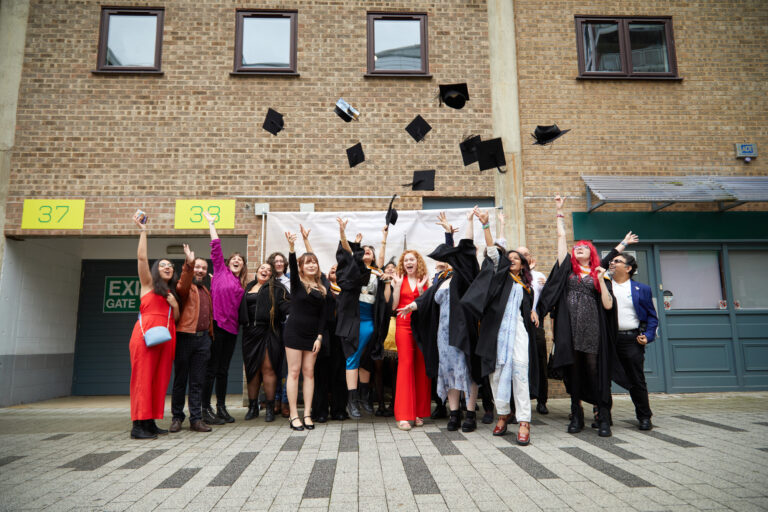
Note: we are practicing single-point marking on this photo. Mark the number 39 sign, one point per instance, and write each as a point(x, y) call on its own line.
point(53, 214)
point(189, 213)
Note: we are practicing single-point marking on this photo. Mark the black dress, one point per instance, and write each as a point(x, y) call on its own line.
point(307, 312)
point(261, 331)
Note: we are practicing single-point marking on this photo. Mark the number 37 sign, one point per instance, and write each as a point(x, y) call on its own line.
point(189, 213)
point(53, 214)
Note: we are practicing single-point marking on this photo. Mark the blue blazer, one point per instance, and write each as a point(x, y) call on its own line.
point(646, 313)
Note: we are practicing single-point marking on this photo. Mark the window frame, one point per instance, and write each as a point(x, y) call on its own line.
point(625, 53)
point(422, 17)
point(240, 15)
point(106, 12)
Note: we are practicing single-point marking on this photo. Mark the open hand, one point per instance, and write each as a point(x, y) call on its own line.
point(342, 223)
point(189, 254)
point(500, 216)
point(442, 220)
point(422, 284)
point(358, 238)
point(482, 215)
point(559, 202)
point(291, 237)
point(397, 280)
point(304, 232)
point(630, 238)
point(406, 310)
point(471, 213)
point(208, 217)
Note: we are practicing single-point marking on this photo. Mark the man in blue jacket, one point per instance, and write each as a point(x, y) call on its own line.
point(637, 328)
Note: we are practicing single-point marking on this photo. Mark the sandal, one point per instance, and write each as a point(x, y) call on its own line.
point(524, 438)
point(419, 422)
point(299, 428)
point(308, 426)
point(404, 425)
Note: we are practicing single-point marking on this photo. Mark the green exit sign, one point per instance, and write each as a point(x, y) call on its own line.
point(121, 294)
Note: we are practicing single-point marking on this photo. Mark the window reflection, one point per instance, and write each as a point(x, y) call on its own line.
point(266, 42)
point(649, 48)
point(749, 278)
point(692, 279)
point(601, 47)
point(131, 40)
point(397, 44)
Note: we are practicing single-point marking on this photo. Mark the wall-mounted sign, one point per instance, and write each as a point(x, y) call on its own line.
point(53, 214)
point(746, 150)
point(189, 213)
point(121, 294)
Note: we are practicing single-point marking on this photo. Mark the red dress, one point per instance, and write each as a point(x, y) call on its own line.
point(151, 366)
point(414, 393)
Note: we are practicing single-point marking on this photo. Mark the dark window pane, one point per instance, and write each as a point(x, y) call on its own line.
point(266, 42)
point(649, 48)
point(131, 40)
point(397, 44)
point(601, 47)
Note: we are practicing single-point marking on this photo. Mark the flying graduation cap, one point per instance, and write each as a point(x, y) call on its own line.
point(490, 154)
point(422, 180)
point(469, 149)
point(418, 128)
point(355, 155)
point(391, 217)
point(454, 95)
point(346, 111)
point(273, 123)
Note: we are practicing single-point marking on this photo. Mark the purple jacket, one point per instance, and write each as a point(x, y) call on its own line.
point(226, 291)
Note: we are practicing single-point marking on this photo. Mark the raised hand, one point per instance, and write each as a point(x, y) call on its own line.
point(500, 216)
point(137, 221)
point(304, 232)
point(442, 220)
point(397, 280)
point(358, 238)
point(471, 213)
point(422, 284)
point(559, 202)
point(342, 223)
point(384, 233)
point(482, 215)
point(189, 254)
point(291, 237)
point(630, 238)
point(209, 217)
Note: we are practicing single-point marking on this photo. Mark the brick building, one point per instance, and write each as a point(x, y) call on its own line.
point(187, 125)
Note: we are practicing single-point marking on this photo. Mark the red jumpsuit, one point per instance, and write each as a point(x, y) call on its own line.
point(151, 366)
point(414, 393)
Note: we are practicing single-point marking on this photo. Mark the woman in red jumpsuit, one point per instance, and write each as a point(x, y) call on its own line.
point(151, 366)
point(413, 398)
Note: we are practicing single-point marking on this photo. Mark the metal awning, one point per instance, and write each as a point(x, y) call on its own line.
point(662, 191)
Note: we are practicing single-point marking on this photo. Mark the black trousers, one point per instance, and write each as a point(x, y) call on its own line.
point(189, 366)
point(322, 384)
point(632, 357)
point(337, 378)
point(222, 349)
point(541, 353)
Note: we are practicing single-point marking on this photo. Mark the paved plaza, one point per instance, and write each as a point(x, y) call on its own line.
point(706, 452)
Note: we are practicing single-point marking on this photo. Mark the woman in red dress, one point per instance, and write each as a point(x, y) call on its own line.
point(151, 366)
point(413, 398)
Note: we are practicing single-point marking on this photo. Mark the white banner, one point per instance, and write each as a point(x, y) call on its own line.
point(415, 229)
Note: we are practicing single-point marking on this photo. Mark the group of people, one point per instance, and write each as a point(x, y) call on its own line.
point(473, 330)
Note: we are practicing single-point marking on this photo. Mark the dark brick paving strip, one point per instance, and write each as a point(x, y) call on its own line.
point(56, 437)
point(763, 449)
point(92, 461)
point(763, 423)
point(9, 459)
point(710, 423)
point(293, 444)
point(419, 477)
point(348, 441)
point(320, 480)
point(667, 438)
point(142, 459)
point(455, 435)
point(178, 479)
point(606, 468)
point(233, 470)
point(527, 463)
point(444, 445)
point(609, 444)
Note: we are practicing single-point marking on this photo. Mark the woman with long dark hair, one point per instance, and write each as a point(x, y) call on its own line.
point(151, 366)
point(263, 311)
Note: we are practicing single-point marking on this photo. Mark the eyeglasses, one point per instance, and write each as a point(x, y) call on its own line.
point(164, 264)
point(617, 260)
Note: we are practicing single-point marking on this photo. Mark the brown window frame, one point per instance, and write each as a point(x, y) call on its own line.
point(106, 12)
point(240, 15)
point(625, 53)
point(422, 17)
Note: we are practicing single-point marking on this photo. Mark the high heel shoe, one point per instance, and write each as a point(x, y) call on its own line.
point(308, 426)
point(524, 438)
point(299, 428)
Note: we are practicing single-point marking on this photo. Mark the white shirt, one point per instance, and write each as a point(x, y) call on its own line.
point(285, 281)
point(625, 307)
point(537, 287)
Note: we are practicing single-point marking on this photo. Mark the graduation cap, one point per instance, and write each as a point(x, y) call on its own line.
point(355, 155)
point(422, 180)
point(418, 128)
point(490, 154)
point(391, 217)
point(546, 134)
point(469, 149)
point(346, 111)
point(454, 95)
point(273, 123)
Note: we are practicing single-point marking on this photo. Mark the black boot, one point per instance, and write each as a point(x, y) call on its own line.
point(470, 422)
point(364, 400)
point(352, 400)
point(221, 412)
point(210, 418)
point(253, 409)
point(604, 422)
point(439, 412)
point(139, 432)
point(577, 419)
point(453, 420)
point(269, 411)
point(151, 427)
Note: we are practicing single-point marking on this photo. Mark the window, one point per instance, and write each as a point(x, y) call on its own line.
point(692, 280)
point(397, 44)
point(623, 47)
point(265, 42)
point(130, 40)
point(749, 278)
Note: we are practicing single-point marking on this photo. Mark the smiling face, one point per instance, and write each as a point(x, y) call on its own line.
point(515, 263)
point(389, 270)
point(165, 269)
point(264, 273)
point(410, 263)
point(308, 266)
point(368, 255)
point(235, 264)
point(279, 264)
point(200, 270)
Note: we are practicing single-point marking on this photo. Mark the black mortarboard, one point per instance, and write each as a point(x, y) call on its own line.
point(273, 122)
point(355, 155)
point(454, 95)
point(490, 154)
point(546, 134)
point(391, 217)
point(469, 149)
point(418, 128)
point(346, 111)
point(422, 180)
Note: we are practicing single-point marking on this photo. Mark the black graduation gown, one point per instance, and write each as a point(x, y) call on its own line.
point(553, 301)
point(463, 328)
point(351, 275)
point(486, 300)
point(260, 336)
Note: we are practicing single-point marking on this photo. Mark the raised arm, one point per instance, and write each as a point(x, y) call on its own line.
point(343, 234)
point(470, 233)
point(305, 237)
point(562, 245)
point(211, 225)
point(383, 250)
point(145, 276)
point(629, 239)
point(605, 295)
point(483, 217)
point(442, 220)
point(293, 265)
point(185, 281)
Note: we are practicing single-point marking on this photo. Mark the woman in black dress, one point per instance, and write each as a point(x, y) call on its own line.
point(262, 312)
point(303, 330)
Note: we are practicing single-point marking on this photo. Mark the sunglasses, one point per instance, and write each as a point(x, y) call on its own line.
point(164, 264)
point(617, 260)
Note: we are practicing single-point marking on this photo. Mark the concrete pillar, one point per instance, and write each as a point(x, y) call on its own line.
point(13, 30)
point(506, 116)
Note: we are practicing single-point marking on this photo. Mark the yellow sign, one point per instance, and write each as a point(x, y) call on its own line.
point(53, 214)
point(189, 213)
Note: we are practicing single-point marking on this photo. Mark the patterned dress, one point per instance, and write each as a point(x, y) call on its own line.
point(582, 310)
point(452, 372)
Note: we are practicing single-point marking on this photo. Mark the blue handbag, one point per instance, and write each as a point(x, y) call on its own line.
point(156, 335)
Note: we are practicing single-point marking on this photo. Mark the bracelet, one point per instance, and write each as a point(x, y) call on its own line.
point(383, 242)
point(560, 216)
point(486, 226)
point(623, 243)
